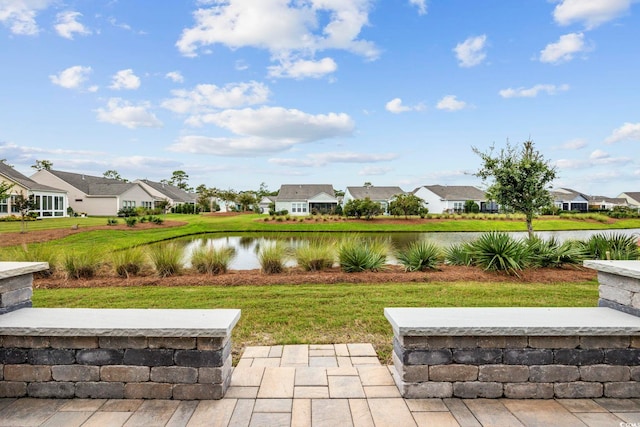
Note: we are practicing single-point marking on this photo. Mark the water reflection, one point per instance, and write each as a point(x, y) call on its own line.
point(247, 246)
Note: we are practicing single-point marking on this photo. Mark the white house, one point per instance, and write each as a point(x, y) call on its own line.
point(96, 195)
point(381, 195)
point(451, 198)
point(49, 202)
point(632, 198)
point(305, 199)
point(606, 203)
point(567, 199)
point(161, 191)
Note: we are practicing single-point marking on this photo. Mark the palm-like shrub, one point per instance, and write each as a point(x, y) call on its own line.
point(499, 251)
point(552, 253)
point(315, 256)
point(212, 260)
point(357, 254)
point(166, 259)
point(420, 256)
point(612, 246)
point(458, 254)
point(82, 265)
point(128, 262)
point(272, 257)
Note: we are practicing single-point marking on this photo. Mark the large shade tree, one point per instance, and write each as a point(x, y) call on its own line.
point(519, 178)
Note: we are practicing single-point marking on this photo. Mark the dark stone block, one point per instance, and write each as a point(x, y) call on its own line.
point(51, 356)
point(52, 390)
point(13, 356)
point(622, 356)
point(528, 356)
point(203, 358)
point(14, 307)
point(99, 356)
point(620, 307)
point(428, 357)
point(578, 357)
point(478, 356)
point(148, 357)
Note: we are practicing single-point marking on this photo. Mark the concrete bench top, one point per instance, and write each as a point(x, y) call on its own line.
point(622, 268)
point(12, 269)
point(119, 322)
point(510, 321)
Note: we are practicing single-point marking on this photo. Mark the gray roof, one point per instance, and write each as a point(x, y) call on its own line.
point(94, 185)
point(456, 192)
point(26, 182)
point(302, 192)
point(374, 193)
point(613, 200)
point(633, 195)
point(567, 194)
point(171, 191)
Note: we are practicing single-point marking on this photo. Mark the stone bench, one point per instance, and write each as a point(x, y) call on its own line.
point(524, 352)
point(111, 353)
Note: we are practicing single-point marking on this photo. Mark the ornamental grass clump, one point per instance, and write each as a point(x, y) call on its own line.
point(420, 256)
point(498, 251)
point(212, 260)
point(315, 256)
point(166, 259)
point(35, 253)
point(358, 254)
point(128, 262)
point(611, 246)
point(80, 265)
point(272, 257)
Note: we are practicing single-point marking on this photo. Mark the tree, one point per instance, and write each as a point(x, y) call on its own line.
point(23, 205)
point(471, 207)
point(113, 174)
point(246, 199)
point(520, 179)
point(358, 208)
point(406, 204)
point(180, 179)
point(228, 197)
point(5, 190)
point(42, 165)
point(164, 205)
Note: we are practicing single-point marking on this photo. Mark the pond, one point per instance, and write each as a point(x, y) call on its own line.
point(248, 245)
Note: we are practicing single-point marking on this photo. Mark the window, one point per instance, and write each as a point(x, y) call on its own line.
point(458, 206)
point(4, 205)
point(147, 205)
point(298, 207)
point(14, 208)
point(128, 204)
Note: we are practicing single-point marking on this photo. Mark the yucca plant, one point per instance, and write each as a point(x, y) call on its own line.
point(500, 252)
point(458, 254)
point(611, 246)
point(166, 259)
point(212, 260)
point(420, 256)
point(80, 265)
point(358, 254)
point(272, 257)
point(128, 262)
point(552, 253)
point(316, 256)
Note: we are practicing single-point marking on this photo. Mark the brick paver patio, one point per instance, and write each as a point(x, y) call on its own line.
point(317, 385)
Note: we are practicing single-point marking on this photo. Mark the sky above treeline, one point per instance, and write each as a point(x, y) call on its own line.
point(342, 92)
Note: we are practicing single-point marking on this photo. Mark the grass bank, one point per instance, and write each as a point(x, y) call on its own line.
point(336, 313)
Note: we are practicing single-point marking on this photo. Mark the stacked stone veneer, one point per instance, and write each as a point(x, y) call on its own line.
point(619, 285)
point(104, 353)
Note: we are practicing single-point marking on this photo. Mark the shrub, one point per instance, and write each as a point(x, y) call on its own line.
point(212, 260)
point(611, 246)
point(552, 253)
point(80, 265)
point(458, 254)
point(128, 262)
point(130, 221)
point(358, 254)
point(156, 220)
point(272, 257)
point(420, 256)
point(499, 251)
point(112, 221)
point(315, 256)
point(127, 212)
point(166, 259)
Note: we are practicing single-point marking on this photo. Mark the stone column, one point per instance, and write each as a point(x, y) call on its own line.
point(619, 284)
point(16, 284)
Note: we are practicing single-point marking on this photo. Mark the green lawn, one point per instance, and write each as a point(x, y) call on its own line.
point(336, 313)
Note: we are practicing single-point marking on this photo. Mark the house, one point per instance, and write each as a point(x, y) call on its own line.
point(49, 201)
point(604, 203)
point(305, 199)
point(94, 195)
point(381, 195)
point(452, 198)
point(567, 199)
point(632, 198)
point(265, 204)
point(163, 191)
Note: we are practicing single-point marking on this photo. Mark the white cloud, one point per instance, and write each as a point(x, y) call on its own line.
point(471, 52)
point(175, 76)
point(286, 29)
point(626, 132)
point(67, 25)
point(323, 159)
point(72, 77)
point(125, 79)
point(229, 147)
point(395, 106)
point(421, 5)
point(590, 12)
point(450, 103)
point(599, 154)
point(208, 97)
point(564, 49)
point(533, 91)
point(20, 15)
point(374, 170)
point(303, 68)
point(574, 144)
point(121, 112)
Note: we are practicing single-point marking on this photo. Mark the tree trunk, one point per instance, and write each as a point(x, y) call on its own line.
point(530, 227)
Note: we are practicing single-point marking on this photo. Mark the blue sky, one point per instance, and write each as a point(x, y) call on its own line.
point(394, 92)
